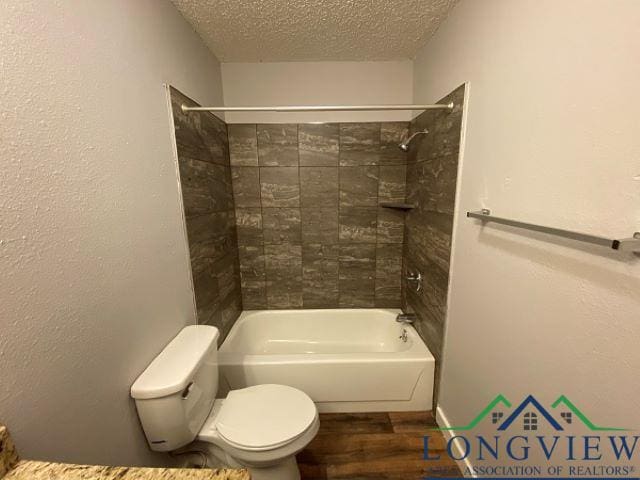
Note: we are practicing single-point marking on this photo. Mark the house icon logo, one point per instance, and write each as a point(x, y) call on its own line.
point(529, 430)
point(530, 414)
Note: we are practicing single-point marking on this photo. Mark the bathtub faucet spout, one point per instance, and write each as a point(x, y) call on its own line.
point(406, 318)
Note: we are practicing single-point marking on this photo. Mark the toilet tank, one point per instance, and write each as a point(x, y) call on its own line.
point(175, 394)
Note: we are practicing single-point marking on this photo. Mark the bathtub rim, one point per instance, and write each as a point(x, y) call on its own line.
point(418, 349)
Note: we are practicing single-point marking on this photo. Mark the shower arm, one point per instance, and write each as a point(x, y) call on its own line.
point(415, 134)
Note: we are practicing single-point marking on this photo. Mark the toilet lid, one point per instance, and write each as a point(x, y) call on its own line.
point(265, 416)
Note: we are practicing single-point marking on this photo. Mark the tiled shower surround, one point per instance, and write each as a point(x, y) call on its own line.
point(432, 172)
point(290, 215)
point(205, 177)
point(311, 232)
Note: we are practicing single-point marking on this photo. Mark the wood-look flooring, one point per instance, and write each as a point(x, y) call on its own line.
point(375, 446)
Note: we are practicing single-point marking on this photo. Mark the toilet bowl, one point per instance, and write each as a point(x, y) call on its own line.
point(260, 428)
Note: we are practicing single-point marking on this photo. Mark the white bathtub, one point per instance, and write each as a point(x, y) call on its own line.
point(346, 360)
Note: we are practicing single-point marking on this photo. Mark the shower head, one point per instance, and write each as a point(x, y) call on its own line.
point(404, 146)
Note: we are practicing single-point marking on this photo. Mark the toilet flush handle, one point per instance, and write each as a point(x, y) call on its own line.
point(187, 391)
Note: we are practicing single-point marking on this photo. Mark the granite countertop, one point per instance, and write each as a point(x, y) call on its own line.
point(8, 454)
point(12, 468)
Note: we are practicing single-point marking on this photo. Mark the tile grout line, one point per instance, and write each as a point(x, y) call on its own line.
point(338, 221)
point(339, 209)
point(300, 216)
point(264, 252)
point(375, 252)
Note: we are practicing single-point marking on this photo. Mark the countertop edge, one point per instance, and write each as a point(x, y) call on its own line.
point(36, 470)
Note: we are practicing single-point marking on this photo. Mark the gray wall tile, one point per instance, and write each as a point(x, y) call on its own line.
point(206, 187)
point(390, 225)
point(278, 145)
point(392, 184)
point(253, 277)
point(243, 145)
point(206, 290)
point(391, 135)
point(359, 144)
point(284, 275)
point(254, 295)
point(252, 266)
point(280, 186)
point(319, 144)
point(249, 226)
point(282, 261)
point(199, 137)
point(358, 224)
point(215, 136)
point(318, 186)
point(281, 225)
point(357, 275)
point(207, 197)
point(320, 275)
point(357, 262)
point(211, 236)
point(246, 186)
point(230, 311)
point(358, 186)
point(227, 272)
point(388, 271)
point(319, 225)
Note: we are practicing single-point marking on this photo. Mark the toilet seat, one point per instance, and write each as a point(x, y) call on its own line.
point(265, 417)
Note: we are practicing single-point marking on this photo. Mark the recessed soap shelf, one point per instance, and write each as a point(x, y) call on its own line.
point(398, 205)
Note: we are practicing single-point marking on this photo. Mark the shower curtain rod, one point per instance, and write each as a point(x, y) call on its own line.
point(319, 108)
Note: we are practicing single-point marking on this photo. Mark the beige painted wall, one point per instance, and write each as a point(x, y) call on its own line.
point(552, 138)
point(95, 272)
point(317, 83)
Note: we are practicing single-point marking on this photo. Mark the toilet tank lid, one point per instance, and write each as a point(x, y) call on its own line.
point(173, 369)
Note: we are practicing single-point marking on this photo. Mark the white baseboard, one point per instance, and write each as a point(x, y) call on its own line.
point(464, 465)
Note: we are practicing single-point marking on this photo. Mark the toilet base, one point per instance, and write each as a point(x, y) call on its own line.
point(287, 469)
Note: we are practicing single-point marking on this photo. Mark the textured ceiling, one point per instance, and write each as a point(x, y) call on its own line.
point(314, 30)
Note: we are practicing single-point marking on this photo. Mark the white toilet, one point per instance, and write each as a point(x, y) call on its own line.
point(260, 428)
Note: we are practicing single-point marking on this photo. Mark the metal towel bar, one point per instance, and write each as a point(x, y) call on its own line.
point(624, 245)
